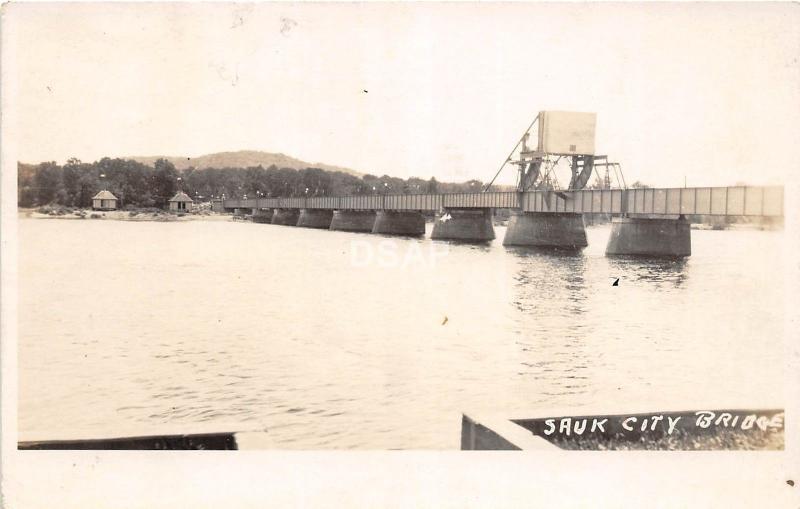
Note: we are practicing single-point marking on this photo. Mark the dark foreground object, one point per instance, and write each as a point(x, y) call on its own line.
point(222, 441)
point(702, 430)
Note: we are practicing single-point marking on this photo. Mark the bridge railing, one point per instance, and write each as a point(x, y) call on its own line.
point(731, 201)
point(428, 202)
point(413, 202)
point(744, 201)
point(245, 204)
point(367, 202)
point(723, 201)
point(595, 201)
point(481, 200)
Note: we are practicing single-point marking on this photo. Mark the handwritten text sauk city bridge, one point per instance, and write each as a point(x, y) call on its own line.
point(703, 419)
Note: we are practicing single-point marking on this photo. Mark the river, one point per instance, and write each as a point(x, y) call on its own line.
point(343, 340)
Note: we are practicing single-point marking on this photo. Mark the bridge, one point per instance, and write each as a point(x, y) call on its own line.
point(646, 221)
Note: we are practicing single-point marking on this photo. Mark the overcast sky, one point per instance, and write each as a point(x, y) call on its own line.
point(710, 92)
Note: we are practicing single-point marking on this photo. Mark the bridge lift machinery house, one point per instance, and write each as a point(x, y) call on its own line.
point(561, 135)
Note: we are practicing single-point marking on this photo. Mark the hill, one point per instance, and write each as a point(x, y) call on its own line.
point(241, 159)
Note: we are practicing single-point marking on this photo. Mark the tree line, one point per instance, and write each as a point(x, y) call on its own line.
point(138, 185)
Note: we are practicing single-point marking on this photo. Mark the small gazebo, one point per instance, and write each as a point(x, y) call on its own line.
point(181, 202)
point(104, 200)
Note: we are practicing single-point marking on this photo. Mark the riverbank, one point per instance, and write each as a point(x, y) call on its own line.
point(149, 214)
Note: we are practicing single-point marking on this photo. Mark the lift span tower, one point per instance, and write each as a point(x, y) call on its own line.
point(561, 136)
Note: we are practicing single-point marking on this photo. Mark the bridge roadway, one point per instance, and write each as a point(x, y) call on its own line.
point(650, 222)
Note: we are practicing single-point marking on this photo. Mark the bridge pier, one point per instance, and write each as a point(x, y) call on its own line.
point(353, 220)
point(397, 222)
point(286, 217)
point(315, 218)
point(263, 216)
point(468, 225)
point(650, 237)
point(563, 230)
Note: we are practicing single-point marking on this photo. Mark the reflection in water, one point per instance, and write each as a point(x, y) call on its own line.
point(551, 283)
point(471, 245)
point(555, 252)
point(547, 275)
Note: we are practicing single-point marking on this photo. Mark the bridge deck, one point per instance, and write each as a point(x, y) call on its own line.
point(719, 201)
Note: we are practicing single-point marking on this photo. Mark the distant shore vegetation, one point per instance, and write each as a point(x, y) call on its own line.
point(139, 185)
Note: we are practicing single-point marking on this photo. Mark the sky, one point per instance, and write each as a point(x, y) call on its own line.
point(707, 94)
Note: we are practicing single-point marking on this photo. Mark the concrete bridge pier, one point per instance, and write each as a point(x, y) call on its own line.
point(642, 236)
point(399, 222)
point(286, 217)
point(263, 216)
point(315, 218)
point(468, 225)
point(353, 220)
point(560, 230)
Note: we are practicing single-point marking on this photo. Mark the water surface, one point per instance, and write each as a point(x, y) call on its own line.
point(344, 340)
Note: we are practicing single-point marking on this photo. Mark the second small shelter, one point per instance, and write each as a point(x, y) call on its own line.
point(104, 200)
point(181, 202)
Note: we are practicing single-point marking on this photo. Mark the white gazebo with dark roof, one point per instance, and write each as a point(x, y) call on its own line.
point(104, 200)
point(181, 202)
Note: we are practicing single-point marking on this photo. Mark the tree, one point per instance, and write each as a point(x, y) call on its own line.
point(47, 182)
point(26, 174)
point(163, 182)
point(74, 175)
point(89, 185)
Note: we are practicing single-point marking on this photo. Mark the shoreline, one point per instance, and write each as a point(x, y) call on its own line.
point(121, 215)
